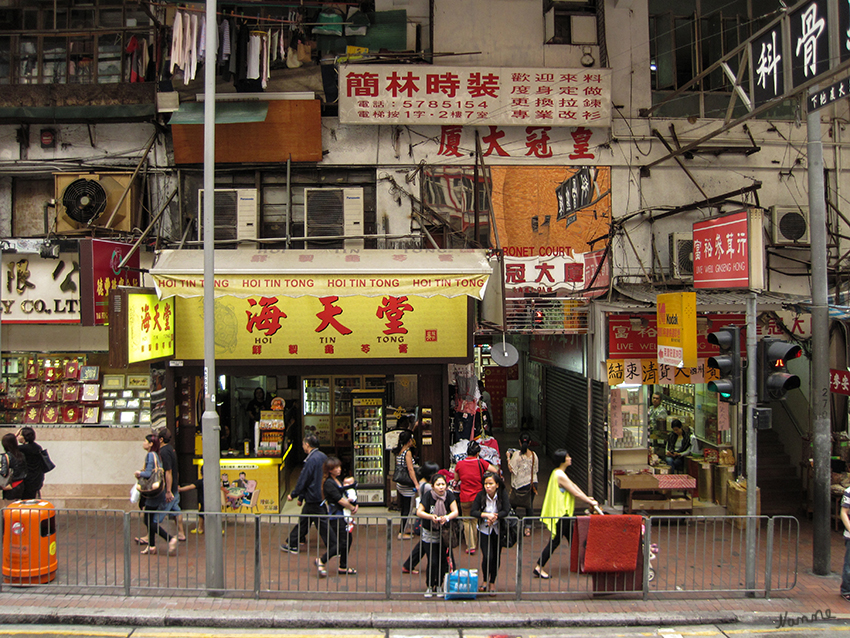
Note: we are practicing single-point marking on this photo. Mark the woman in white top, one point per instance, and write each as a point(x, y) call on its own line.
point(523, 465)
point(489, 508)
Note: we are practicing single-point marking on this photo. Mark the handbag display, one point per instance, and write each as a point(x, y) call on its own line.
point(46, 463)
point(155, 483)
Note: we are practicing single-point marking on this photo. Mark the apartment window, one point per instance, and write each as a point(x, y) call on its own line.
point(69, 41)
point(688, 36)
point(570, 22)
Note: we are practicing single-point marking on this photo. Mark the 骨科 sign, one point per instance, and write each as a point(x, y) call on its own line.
point(404, 94)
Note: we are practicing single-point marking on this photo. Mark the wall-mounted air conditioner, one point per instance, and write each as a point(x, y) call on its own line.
point(334, 212)
point(681, 255)
point(789, 226)
point(236, 215)
point(86, 200)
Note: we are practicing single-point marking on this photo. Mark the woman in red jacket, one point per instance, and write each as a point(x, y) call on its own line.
point(470, 472)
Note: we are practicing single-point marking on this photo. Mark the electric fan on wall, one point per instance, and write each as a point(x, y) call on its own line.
point(84, 200)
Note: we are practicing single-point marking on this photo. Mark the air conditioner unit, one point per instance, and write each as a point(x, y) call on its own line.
point(86, 200)
point(236, 215)
point(681, 255)
point(790, 226)
point(334, 212)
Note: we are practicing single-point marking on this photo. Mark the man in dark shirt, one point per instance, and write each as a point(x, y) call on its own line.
point(172, 495)
point(308, 490)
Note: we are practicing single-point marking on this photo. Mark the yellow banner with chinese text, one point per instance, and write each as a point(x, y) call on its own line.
point(648, 372)
point(329, 327)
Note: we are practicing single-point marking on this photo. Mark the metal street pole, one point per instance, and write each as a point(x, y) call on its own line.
point(210, 426)
point(751, 463)
point(819, 394)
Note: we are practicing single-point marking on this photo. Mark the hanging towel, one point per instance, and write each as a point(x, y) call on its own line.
point(254, 51)
point(613, 543)
point(177, 42)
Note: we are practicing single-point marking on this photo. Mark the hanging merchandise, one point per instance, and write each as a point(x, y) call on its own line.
point(305, 51)
point(292, 60)
point(330, 22)
point(177, 42)
point(357, 22)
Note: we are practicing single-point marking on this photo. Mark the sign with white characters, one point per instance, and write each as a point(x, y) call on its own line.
point(768, 74)
point(809, 45)
point(830, 94)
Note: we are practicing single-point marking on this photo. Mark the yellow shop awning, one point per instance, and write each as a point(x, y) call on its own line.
point(321, 273)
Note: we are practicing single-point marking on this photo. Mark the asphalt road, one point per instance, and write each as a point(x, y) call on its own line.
point(789, 628)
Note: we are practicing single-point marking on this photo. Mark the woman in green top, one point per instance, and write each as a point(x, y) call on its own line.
point(558, 506)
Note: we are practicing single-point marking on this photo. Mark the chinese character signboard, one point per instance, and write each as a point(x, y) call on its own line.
point(650, 372)
point(37, 290)
point(150, 327)
point(99, 260)
point(546, 216)
point(549, 271)
point(769, 71)
point(809, 41)
point(830, 94)
point(597, 273)
point(327, 327)
point(728, 251)
point(677, 329)
point(839, 381)
point(405, 94)
point(635, 336)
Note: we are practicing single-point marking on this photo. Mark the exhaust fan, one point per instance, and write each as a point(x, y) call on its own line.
point(84, 200)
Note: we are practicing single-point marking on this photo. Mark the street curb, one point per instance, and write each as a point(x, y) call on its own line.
point(299, 620)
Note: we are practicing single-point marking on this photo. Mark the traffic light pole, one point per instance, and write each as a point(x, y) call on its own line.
point(820, 348)
point(752, 484)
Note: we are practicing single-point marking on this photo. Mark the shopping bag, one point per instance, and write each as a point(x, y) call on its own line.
point(461, 584)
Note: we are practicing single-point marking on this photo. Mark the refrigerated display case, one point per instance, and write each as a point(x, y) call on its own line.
point(368, 457)
point(316, 402)
point(342, 409)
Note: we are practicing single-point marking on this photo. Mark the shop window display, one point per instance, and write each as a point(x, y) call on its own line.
point(65, 390)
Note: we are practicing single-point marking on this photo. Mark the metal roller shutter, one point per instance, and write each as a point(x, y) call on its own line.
point(599, 439)
point(567, 421)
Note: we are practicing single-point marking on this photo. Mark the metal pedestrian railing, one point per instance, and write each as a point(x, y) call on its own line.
point(100, 552)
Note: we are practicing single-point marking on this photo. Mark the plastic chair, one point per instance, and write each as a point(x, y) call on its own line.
point(255, 503)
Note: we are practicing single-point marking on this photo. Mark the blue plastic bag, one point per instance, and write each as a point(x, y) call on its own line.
point(461, 584)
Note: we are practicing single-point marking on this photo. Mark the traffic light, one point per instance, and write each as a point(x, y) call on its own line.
point(774, 380)
point(728, 362)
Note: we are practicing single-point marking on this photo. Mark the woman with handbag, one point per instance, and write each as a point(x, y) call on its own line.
point(437, 509)
point(334, 494)
point(13, 469)
point(35, 464)
point(523, 465)
point(470, 472)
point(154, 502)
point(490, 507)
point(405, 478)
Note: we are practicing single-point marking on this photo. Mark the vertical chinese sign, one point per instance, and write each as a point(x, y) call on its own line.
point(99, 261)
point(677, 329)
point(150, 327)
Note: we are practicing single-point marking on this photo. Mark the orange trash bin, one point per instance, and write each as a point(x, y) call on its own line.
point(29, 542)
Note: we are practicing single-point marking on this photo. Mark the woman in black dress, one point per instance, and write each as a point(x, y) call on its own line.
point(35, 466)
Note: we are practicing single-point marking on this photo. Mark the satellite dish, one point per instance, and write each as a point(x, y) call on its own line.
point(504, 354)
